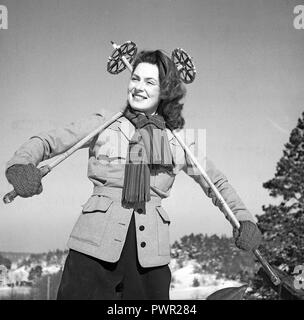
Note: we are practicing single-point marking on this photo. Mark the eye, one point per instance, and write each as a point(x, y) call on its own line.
point(151, 82)
point(134, 77)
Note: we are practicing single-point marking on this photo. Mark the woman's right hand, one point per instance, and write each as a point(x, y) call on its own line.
point(25, 178)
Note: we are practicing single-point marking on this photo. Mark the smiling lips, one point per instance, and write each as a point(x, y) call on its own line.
point(138, 97)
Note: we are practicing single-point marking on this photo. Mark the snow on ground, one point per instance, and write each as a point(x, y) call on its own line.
point(51, 269)
point(6, 292)
point(182, 281)
point(181, 284)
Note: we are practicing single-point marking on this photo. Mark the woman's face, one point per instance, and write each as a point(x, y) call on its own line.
point(144, 89)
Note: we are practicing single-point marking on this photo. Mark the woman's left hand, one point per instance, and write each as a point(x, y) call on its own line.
point(248, 237)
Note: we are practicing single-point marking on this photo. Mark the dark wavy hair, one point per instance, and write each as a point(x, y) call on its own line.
point(172, 89)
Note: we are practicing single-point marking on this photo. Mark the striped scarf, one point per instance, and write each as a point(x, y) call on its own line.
point(148, 149)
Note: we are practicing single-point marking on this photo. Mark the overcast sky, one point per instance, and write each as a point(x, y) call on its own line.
point(248, 95)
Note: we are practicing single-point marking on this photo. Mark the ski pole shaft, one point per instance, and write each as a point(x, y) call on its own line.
point(227, 211)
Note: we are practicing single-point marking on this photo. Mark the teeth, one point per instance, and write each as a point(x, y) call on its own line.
point(138, 98)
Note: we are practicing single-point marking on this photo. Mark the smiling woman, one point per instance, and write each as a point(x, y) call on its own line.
point(120, 244)
point(143, 90)
point(157, 79)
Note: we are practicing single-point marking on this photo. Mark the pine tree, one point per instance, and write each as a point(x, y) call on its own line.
point(282, 224)
point(5, 262)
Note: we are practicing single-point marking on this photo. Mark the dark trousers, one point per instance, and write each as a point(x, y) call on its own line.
point(88, 278)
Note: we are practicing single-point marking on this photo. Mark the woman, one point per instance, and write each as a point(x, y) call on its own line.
point(119, 247)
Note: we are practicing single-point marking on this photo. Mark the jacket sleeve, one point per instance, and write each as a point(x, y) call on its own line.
point(54, 142)
point(221, 183)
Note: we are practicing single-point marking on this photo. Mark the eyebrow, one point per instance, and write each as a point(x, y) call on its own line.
point(148, 78)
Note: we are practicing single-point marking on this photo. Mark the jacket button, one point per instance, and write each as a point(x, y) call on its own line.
point(143, 244)
point(141, 228)
point(140, 210)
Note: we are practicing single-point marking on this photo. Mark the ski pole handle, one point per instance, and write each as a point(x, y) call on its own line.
point(10, 196)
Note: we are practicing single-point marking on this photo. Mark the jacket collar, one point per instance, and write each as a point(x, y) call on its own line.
point(127, 129)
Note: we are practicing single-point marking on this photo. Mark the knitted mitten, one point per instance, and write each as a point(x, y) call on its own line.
point(248, 237)
point(25, 178)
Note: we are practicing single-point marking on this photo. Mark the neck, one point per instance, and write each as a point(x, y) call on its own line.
point(146, 112)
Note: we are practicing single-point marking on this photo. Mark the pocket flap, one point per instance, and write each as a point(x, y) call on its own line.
point(97, 203)
point(164, 215)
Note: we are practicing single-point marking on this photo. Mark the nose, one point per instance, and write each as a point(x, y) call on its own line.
point(139, 86)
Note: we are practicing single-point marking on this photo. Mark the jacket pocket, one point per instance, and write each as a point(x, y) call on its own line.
point(91, 224)
point(97, 203)
point(163, 222)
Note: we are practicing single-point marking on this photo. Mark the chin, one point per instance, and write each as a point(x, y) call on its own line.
point(141, 108)
point(138, 108)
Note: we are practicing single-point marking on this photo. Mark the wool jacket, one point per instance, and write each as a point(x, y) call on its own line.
point(101, 228)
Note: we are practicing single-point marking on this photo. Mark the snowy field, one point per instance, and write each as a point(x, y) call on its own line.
point(183, 283)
